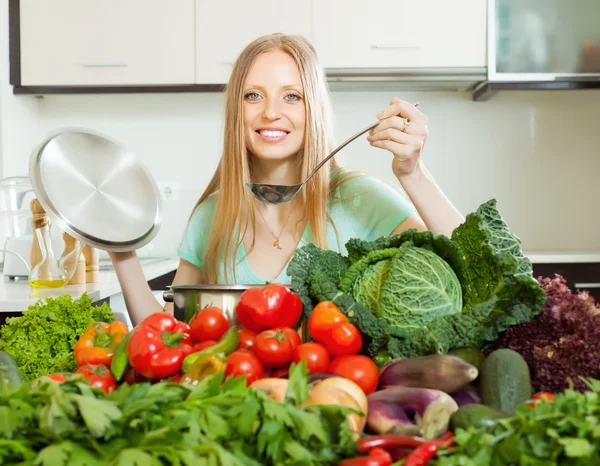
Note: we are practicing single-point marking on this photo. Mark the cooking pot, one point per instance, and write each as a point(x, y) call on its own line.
point(189, 299)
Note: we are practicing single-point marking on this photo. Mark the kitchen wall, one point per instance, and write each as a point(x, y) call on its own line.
point(538, 153)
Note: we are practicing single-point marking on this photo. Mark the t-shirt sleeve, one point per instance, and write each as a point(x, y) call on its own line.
point(195, 237)
point(374, 207)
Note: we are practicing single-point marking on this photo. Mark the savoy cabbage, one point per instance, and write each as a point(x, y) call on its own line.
point(416, 293)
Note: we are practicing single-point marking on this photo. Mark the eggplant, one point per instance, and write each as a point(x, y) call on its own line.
point(467, 395)
point(385, 418)
point(432, 408)
point(438, 372)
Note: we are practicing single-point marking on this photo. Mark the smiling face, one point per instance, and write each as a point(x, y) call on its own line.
point(273, 107)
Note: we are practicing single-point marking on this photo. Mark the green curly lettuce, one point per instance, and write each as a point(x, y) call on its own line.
point(42, 340)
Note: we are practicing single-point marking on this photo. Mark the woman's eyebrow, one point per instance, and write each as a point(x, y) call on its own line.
point(287, 86)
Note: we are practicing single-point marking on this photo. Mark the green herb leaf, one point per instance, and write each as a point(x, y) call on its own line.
point(297, 391)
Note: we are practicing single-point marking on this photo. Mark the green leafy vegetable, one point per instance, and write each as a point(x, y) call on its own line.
point(218, 422)
point(42, 340)
point(565, 431)
point(416, 293)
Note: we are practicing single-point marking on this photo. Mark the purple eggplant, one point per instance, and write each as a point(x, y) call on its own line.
point(432, 408)
point(386, 418)
point(438, 372)
point(468, 395)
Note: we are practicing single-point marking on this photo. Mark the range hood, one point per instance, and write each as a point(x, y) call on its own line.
point(412, 79)
point(542, 44)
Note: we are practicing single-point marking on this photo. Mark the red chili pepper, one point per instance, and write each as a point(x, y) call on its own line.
point(447, 441)
point(422, 455)
point(382, 454)
point(388, 441)
point(158, 346)
point(366, 461)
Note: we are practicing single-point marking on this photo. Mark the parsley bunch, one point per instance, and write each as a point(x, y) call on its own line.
point(214, 423)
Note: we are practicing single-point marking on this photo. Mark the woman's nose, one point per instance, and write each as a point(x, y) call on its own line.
point(271, 110)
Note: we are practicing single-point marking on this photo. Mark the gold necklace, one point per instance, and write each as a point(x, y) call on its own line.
point(276, 243)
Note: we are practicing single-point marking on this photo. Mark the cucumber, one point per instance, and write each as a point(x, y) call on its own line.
point(10, 375)
point(474, 415)
point(505, 380)
point(473, 356)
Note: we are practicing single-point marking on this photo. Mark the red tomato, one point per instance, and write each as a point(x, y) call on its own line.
point(267, 307)
point(291, 335)
point(547, 396)
point(99, 377)
point(324, 316)
point(240, 363)
point(273, 348)
point(343, 338)
point(246, 339)
point(202, 345)
point(315, 355)
point(358, 368)
point(208, 324)
point(281, 372)
point(58, 377)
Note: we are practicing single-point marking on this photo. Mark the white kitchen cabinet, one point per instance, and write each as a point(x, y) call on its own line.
point(400, 33)
point(107, 43)
point(225, 27)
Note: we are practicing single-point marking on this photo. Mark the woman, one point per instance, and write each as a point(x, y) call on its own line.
point(277, 129)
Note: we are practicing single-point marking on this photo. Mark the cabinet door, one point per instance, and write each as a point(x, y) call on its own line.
point(225, 27)
point(109, 42)
point(400, 33)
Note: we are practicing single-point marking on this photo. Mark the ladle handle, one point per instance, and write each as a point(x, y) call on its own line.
point(339, 148)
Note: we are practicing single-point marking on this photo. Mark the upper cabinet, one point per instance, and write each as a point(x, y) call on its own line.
point(400, 33)
point(225, 27)
point(106, 43)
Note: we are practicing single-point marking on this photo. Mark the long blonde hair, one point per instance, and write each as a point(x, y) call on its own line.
point(234, 169)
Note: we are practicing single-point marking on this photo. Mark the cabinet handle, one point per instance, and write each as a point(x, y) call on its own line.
point(587, 285)
point(103, 65)
point(394, 47)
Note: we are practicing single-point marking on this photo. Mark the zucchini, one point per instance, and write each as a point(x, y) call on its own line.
point(10, 375)
point(474, 415)
point(505, 380)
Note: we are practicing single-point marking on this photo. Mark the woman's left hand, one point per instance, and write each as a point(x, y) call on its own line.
point(403, 131)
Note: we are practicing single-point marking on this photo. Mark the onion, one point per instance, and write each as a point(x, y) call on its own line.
point(349, 387)
point(335, 396)
point(274, 388)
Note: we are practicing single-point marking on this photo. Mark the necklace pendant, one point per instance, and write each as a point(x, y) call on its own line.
point(276, 244)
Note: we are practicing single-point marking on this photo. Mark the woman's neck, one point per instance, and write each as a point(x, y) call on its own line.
point(285, 172)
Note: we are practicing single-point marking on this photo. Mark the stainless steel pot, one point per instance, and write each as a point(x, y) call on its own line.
point(189, 299)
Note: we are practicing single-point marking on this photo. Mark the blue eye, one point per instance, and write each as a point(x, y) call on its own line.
point(251, 96)
point(293, 96)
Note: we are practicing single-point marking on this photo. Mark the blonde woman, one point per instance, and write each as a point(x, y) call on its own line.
point(277, 129)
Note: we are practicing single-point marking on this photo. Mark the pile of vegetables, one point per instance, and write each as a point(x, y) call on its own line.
point(416, 294)
point(561, 344)
point(43, 338)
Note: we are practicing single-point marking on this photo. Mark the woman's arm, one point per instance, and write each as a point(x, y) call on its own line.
point(139, 300)
point(403, 131)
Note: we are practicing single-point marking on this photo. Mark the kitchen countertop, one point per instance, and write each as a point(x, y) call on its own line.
point(17, 295)
point(562, 258)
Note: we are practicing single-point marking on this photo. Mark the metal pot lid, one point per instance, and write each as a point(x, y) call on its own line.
point(96, 190)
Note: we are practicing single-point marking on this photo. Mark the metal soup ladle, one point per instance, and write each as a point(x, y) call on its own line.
point(281, 193)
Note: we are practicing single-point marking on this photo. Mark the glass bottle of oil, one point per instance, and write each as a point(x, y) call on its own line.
point(47, 272)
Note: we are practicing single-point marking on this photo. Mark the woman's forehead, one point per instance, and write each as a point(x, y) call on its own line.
point(274, 69)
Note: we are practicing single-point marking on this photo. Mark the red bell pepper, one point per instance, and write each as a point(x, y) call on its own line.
point(99, 343)
point(158, 346)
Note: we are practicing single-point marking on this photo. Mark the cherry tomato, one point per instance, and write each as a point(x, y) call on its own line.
point(315, 355)
point(547, 396)
point(202, 345)
point(208, 324)
point(99, 377)
point(292, 335)
point(273, 348)
point(267, 307)
point(240, 363)
point(58, 377)
point(343, 338)
point(324, 316)
point(246, 339)
point(358, 368)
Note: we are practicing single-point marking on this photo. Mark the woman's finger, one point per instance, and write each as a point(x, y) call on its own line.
point(395, 135)
point(402, 108)
point(402, 151)
point(401, 124)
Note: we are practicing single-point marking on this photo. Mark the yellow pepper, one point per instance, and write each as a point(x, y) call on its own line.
point(203, 367)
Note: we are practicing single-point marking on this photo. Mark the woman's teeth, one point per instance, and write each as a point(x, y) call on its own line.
point(272, 134)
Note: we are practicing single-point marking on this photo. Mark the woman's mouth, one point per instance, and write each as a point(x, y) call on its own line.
point(272, 135)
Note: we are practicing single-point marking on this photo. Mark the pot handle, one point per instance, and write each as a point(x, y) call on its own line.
point(168, 296)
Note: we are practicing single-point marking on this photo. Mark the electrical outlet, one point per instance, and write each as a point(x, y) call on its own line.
point(169, 190)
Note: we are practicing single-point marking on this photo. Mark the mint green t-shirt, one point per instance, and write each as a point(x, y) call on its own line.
point(364, 208)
